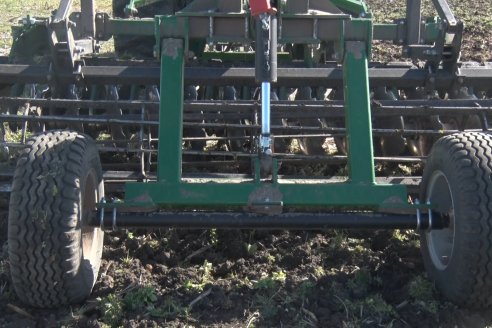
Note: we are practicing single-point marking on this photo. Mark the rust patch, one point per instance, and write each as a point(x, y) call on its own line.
point(188, 194)
point(172, 47)
point(355, 48)
point(144, 198)
point(393, 200)
point(266, 199)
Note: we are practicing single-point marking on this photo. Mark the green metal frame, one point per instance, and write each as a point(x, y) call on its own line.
point(175, 34)
point(359, 191)
point(355, 6)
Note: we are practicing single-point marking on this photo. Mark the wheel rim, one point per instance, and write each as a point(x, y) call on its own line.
point(90, 235)
point(440, 243)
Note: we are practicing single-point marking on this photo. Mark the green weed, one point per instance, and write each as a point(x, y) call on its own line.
point(111, 308)
point(213, 237)
point(206, 277)
point(267, 306)
point(251, 249)
point(305, 289)
point(15, 136)
point(361, 282)
point(127, 260)
point(423, 293)
point(140, 299)
point(279, 276)
point(169, 310)
point(265, 284)
point(129, 234)
point(270, 283)
point(270, 258)
point(319, 271)
point(153, 243)
point(372, 311)
point(268, 289)
point(338, 241)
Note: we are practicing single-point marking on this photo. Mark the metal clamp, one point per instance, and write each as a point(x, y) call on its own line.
point(419, 218)
point(113, 221)
point(429, 228)
point(101, 214)
point(113, 216)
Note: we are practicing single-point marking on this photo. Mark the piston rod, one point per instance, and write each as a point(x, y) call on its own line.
point(266, 139)
point(266, 72)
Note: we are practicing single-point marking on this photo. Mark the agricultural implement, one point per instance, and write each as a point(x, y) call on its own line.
point(229, 114)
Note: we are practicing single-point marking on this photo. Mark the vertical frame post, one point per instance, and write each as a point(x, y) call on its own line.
point(413, 21)
point(87, 9)
point(171, 111)
point(358, 113)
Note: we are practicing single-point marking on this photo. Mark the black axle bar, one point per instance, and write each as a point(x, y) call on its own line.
point(292, 221)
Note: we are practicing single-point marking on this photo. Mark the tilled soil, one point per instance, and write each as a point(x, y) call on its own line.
point(214, 278)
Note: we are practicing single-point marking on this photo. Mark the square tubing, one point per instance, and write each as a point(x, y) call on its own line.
point(445, 13)
point(171, 111)
point(63, 11)
point(88, 18)
point(358, 113)
point(413, 17)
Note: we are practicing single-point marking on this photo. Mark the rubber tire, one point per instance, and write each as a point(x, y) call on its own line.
point(465, 160)
point(53, 259)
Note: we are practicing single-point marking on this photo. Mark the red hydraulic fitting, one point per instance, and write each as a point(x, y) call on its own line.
point(260, 7)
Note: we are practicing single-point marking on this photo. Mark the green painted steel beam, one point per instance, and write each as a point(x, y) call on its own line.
point(395, 33)
point(171, 110)
point(354, 6)
point(216, 195)
point(356, 49)
point(358, 113)
point(119, 26)
point(170, 191)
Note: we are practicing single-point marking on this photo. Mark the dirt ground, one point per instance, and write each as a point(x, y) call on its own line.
point(214, 278)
